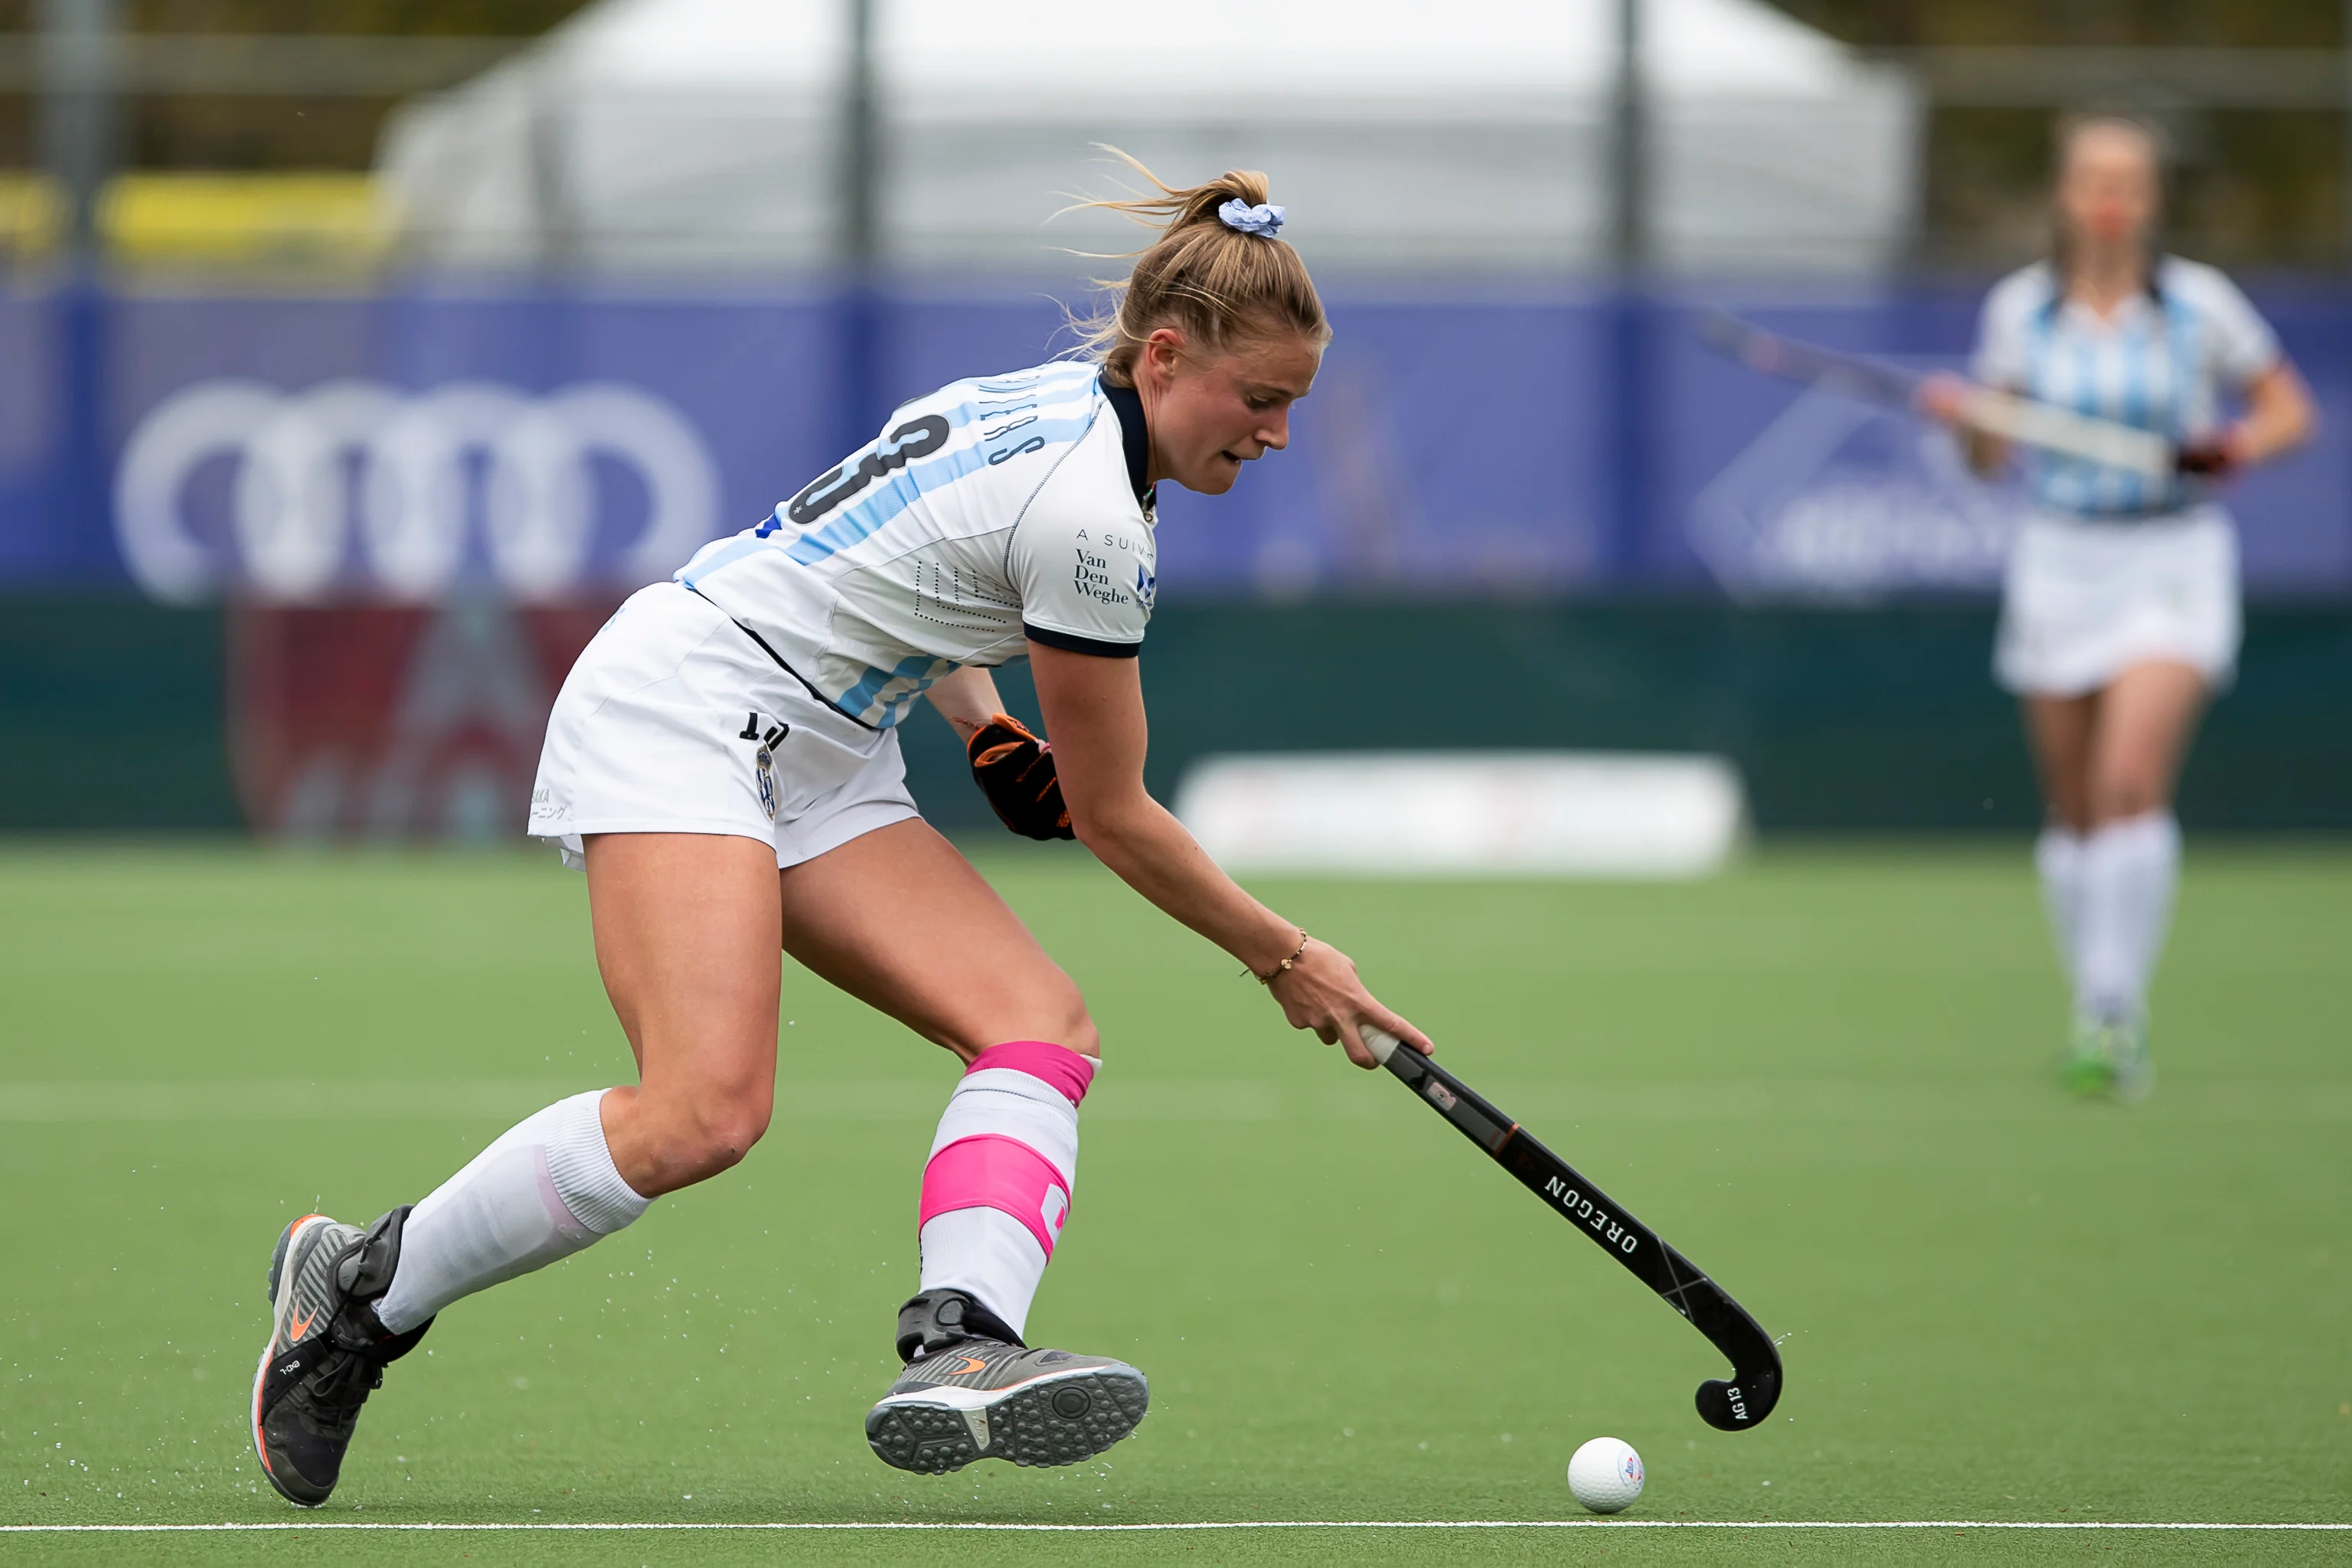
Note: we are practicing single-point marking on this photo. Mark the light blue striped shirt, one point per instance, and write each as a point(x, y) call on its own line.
point(2163, 362)
point(994, 512)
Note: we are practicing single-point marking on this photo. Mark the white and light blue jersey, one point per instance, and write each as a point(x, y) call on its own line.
point(2163, 362)
point(992, 512)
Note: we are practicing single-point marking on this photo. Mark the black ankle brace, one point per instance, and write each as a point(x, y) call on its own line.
point(937, 1319)
point(364, 1272)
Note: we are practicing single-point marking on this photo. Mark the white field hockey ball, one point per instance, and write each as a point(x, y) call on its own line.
point(1605, 1475)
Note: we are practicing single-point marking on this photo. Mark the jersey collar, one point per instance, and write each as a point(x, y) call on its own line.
point(1128, 403)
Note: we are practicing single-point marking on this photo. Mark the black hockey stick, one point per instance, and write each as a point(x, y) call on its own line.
point(1731, 1406)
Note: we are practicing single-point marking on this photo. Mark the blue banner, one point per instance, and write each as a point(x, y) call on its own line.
point(422, 444)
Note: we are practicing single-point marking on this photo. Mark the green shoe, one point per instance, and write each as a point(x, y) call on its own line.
point(2087, 1068)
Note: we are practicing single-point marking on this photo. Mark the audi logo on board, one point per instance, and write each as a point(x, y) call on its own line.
point(354, 484)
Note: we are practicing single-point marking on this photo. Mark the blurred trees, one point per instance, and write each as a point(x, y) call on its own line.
point(2253, 183)
point(276, 131)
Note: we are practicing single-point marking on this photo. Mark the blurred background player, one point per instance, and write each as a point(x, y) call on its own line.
point(2120, 614)
point(724, 762)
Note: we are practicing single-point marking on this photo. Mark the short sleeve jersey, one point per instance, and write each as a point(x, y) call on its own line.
point(994, 512)
point(2163, 362)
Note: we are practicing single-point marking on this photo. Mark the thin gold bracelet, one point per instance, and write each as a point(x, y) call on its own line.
point(1283, 968)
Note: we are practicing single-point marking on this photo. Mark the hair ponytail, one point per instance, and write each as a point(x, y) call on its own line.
point(1214, 282)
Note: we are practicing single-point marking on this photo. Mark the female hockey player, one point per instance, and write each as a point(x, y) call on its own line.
point(723, 761)
point(2120, 614)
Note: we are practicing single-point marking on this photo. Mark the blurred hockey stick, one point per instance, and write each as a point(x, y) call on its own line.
point(2021, 419)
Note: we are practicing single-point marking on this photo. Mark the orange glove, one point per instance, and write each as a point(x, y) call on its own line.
point(1015, 770)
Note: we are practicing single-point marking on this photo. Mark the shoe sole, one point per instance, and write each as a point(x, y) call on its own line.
point(1060, 1419)
point(278, 1301)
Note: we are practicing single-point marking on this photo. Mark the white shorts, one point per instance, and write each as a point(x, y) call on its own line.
point(2083, 602)
point(674, 721)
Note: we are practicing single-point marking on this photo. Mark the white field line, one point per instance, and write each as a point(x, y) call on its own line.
point(1191, 1524)
point(1563, 1103)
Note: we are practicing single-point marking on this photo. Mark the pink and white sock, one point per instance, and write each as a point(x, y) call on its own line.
point(997, 1189)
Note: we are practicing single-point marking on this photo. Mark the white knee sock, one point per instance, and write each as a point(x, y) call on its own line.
point(2058, 856)
point(997, 1188)
point(2129, 868)
point(544, 1190)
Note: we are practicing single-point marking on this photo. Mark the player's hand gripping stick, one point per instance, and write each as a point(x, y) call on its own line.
point(1736, 1405)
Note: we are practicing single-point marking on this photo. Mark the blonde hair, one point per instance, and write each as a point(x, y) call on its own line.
point(1213, 283)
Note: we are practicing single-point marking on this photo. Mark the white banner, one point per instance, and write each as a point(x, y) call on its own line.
point(1493, 813)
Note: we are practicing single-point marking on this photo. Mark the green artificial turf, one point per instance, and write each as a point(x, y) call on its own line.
point(1824, 1077)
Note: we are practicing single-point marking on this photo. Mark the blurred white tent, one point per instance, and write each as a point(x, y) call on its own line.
point(1400, 133)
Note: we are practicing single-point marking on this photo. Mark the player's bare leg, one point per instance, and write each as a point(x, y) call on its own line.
point(2147, 716)
point(898, 918)
point(687, 929)
point(901, 921)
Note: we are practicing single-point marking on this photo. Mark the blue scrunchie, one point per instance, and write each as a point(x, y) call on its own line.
point(1263, 219)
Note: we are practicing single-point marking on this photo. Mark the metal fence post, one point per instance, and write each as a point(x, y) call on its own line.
point(77, 115)
point(1627, 403)
point(857, 316)
point(78, 145)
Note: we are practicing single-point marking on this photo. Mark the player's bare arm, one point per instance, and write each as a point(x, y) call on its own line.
point(1094, 711)
point(1945, 398)
point(967, 700)
point(2280, 416)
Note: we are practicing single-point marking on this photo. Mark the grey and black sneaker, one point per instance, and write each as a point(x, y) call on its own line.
point(971, 1389)
point(327, 1351)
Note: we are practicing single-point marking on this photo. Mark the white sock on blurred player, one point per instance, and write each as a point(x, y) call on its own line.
point(2058, 857)
point(2128, 870)
point(545, 1189)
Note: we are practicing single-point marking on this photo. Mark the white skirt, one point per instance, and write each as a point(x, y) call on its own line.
point(674, 721)
point(2082, 602)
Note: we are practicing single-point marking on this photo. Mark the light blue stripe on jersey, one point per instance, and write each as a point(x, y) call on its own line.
point(871, 515)
point(2085, 487)
point(718, 554)
point(917, 668)
point(2117, 376)
point(1044, 374)
point(2041, 359)
point(2179, 342)
point(2135, 406)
